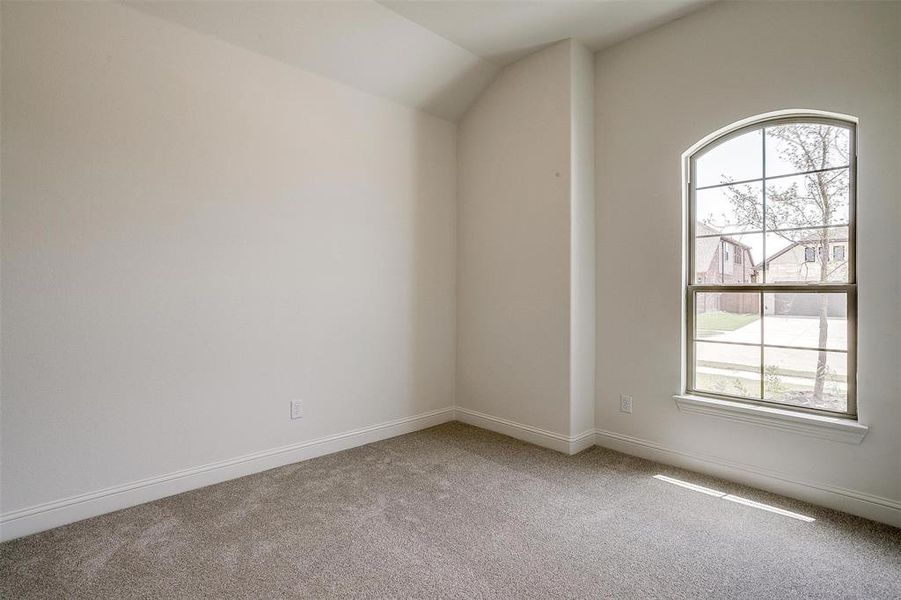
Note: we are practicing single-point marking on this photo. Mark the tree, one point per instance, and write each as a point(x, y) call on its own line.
point(813, 201)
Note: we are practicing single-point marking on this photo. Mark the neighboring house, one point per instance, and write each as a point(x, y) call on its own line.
point(800, 261)
point(723, 259)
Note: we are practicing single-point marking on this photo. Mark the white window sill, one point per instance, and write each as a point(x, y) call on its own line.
point(820, 426)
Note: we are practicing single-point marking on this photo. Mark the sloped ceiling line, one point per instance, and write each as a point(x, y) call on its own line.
point(436, 56)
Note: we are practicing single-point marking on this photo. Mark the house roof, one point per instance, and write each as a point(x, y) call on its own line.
point(705, 247)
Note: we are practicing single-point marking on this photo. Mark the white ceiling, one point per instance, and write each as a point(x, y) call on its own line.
point(436, 56)
point(504, 31)
point(359, 43)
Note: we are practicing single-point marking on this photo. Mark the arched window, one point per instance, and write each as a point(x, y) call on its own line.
point(771, 295)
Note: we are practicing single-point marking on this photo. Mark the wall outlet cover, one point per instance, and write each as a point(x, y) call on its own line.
point(296, 409)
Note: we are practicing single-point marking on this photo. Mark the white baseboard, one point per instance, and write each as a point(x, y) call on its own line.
point(30, 520)
point(33, 519)
point(580, 442)
point(862, 504)
point(527, 433)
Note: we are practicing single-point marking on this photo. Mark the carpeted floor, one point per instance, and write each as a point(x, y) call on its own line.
point(458, 512)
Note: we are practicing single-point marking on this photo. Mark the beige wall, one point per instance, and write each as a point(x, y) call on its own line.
point(514, 242)
point(660, 93)
point(522, 186)
point(192, 236)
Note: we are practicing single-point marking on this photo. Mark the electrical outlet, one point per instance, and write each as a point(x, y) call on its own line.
point(296, 409)
point(625, 404)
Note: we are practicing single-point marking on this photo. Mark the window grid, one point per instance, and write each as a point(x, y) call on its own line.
point(764, 263)
point(778, 230)
point(847, 289)
point(764, 177)
point(763, 345)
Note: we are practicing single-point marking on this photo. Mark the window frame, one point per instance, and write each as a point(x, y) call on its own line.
point(692, 288)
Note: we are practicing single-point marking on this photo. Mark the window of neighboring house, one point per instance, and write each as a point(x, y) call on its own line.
point(838, 252)
point(783, 333)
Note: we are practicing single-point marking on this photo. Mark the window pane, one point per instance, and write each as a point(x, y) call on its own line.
point(728, 258)
point(773, 206)
point(808, 256)
point(799, 147)
point(806, 378)
point(727, 316)
point(806, 320)
point(738, 159)
point(808, 200)
point(729, 209)
point(727, 369)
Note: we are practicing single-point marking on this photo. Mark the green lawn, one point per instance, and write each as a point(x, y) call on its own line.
point(725, 384)
point(711, 323)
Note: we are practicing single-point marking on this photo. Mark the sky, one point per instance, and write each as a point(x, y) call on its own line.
point(740, 159)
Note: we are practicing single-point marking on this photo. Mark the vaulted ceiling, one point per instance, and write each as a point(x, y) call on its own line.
point(437, 56)
point(505, 31)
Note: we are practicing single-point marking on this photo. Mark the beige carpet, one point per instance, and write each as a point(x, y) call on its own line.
point(458, 512)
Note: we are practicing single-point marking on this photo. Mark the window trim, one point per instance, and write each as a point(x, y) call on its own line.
point(690, 287)
point(827, 427)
